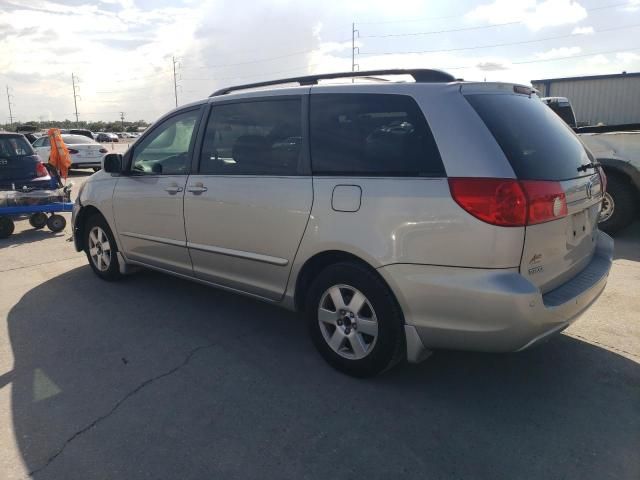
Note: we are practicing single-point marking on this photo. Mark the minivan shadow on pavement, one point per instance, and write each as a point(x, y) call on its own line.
point(158, 378)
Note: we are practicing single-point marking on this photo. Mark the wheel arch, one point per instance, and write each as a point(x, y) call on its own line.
point(623, 169)
point(318, 262)
point(84, 214)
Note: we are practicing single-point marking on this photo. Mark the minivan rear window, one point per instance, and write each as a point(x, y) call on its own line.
point(538, 144)
point(371, 135)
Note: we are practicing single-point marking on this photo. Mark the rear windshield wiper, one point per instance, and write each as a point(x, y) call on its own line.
point(586, 166)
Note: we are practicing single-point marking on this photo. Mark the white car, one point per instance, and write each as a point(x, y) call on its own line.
point(85, 153)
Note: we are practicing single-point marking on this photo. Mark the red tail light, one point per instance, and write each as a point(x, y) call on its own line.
point(603, 179)
point(73, 151)
point(508, 202)
point(546, 201)
point(103, 150)
point(41, 170)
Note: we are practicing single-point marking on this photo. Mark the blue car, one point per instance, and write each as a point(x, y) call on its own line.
point(20, 166)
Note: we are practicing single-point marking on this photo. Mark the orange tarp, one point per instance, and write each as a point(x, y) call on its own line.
point(59, 155)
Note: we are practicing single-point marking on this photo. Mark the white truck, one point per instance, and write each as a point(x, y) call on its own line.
point(617, 149)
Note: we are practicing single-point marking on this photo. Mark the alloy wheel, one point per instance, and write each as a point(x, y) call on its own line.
point(348, 322)
point(99, 249)
point(608, 206)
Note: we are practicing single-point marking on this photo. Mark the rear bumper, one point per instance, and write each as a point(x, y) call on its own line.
point(492, 310)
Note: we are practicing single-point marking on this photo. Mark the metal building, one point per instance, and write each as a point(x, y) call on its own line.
point(606, 99)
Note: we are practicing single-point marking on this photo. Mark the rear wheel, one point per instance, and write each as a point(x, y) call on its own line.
point(38, 220)
point(354, 320)
point(618, 205)
point(6, 227)
point(101, 248)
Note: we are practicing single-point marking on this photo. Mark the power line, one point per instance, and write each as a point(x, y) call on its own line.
point(258, 60)
point(592, 54)
point(435, 32)
point(480, 27)
point(477, 47)
point(576, 56)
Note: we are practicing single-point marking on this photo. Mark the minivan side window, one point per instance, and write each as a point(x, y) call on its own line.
point(165, 151)
point(253, 138)
point(371, 135)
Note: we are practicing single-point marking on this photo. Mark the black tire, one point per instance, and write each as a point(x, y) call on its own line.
point(6, 227)
point(38, 220)
point(389, 347)
point(112, 272)
point(625, 198)
point(56, 223)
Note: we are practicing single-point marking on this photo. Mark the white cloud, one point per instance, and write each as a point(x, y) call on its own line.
point(597, 60)
point(628, 57)
point(561, 52)
point(536, 15)
point(583, 31)
point(633, 6)
point(122, 50)
point(489, 66)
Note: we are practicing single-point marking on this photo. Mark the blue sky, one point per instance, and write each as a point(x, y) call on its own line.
point(121, 50)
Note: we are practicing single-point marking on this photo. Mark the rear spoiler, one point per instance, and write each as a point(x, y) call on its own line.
point(496, 87)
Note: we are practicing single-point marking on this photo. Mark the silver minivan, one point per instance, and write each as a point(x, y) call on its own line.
point(398, 216)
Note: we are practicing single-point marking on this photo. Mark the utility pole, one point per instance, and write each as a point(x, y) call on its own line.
point(175, 79)
point(9, 102)
point(122, 120)
point(74, 79)
point(354, 49)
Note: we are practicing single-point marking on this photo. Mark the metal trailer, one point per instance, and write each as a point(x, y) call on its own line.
point(37, 216)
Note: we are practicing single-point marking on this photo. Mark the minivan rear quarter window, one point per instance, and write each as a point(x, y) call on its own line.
point(371, 135)
point(538, 144)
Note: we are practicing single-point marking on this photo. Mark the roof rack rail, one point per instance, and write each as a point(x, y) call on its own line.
point(420, 75)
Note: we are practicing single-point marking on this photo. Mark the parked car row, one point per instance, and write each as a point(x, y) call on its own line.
point(103, 137)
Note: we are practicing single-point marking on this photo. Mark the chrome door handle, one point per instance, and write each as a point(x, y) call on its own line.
point(197, 188)
point(173, 189)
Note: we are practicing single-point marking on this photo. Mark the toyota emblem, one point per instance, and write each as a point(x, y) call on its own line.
point(589, 189)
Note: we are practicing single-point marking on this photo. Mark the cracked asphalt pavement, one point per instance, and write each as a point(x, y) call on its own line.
point(158, 378)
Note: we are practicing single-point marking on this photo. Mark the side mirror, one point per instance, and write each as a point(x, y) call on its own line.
point(112, 163)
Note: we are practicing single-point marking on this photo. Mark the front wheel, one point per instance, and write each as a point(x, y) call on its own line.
point(101, 249)
point(354, 320)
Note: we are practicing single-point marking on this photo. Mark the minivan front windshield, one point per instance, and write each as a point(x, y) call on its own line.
point(538, 143)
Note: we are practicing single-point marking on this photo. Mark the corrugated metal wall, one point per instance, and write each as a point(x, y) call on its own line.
point(605, 100)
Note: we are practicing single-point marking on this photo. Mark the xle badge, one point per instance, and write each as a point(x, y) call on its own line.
point(534, 260)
